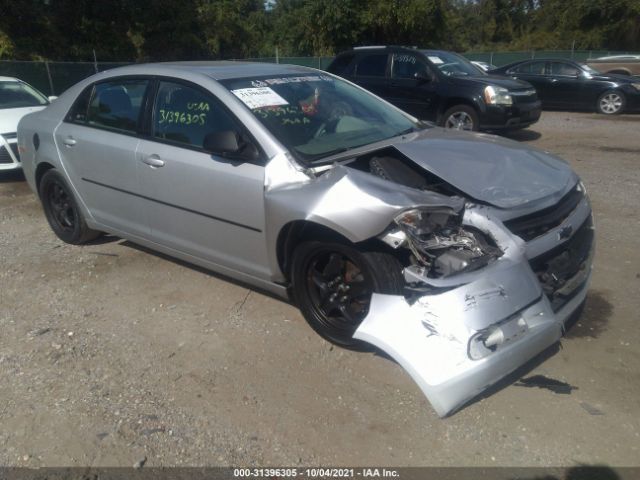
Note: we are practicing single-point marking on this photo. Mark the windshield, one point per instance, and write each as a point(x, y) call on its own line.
point(18, 94)
point(316, 115)
point(453, 64)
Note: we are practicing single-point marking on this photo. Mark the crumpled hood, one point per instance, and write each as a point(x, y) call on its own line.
point(491, 169)
point(9, 117)
point(496, 80)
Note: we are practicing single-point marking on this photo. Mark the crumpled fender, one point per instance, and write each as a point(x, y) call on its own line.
point(355, 204)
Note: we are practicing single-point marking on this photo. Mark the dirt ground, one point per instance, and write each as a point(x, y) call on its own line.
point(110, 354)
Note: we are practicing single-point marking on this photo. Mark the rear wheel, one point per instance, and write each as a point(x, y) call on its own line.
point(611, 103)
point(333, 284)
point(62, 211)
point(460, 117)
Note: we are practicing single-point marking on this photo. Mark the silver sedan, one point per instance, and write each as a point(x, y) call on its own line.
point(460, 255)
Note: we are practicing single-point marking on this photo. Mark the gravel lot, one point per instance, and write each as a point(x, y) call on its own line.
point(110, 354)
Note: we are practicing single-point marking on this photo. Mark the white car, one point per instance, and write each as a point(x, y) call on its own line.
point(17, 99)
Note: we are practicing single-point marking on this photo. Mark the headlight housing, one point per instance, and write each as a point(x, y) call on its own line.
point(497, 96)
point(440, 242)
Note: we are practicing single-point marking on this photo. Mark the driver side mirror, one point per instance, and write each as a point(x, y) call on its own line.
point(422, 77)
point(228, 143)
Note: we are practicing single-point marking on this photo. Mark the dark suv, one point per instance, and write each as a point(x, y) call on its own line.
point(440, 86)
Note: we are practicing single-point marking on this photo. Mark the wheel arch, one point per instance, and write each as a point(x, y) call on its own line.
point(296, 232)
point(620, 71)
point(41, 169)
point(453, 101)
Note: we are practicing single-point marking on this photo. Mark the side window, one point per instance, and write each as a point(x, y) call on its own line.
point(534, 68)
point(187, 115)
point(407, 65)
point(79, 110)
point(117, 104)
point(561, 68)
point(343, 65)
point(374, 65)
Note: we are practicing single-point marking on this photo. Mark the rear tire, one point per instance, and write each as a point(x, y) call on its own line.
point(460, 117)
point(62, 211)
point(333, 283)
point(611, 102)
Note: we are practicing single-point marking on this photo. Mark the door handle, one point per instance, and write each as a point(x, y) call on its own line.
point(153, 161)
point(69, 141)
point(554, 80)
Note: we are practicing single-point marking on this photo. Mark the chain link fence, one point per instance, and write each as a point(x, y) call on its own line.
point(53, 78)
point(503, 58)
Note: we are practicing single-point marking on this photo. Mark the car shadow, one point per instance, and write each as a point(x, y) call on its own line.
point(517, 375)
point(197, 268)
point(525, 135)
point(591, 318)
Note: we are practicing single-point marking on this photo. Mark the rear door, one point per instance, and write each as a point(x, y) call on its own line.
point(199, 202)
point(371, 72)
point(97, 143)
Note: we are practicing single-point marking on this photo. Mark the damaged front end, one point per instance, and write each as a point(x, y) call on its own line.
point(479, 301)
point(489, 280)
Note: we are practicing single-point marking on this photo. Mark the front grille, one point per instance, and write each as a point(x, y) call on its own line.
point(4, 154)
point(14, 149)
point(524, 96)
point(538, 223)
point(564, 269)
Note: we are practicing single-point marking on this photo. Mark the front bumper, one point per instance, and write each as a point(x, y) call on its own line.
point(439, 338)
point(505, 117)
point(9, 157)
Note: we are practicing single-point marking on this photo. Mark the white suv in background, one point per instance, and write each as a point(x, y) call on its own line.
point(17, 99)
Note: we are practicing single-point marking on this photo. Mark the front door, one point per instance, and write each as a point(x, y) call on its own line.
point(566, 85)
point(199, 203)
point(535, 73)
point(409, 90)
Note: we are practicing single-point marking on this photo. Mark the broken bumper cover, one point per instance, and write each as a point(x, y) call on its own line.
point(440, 339)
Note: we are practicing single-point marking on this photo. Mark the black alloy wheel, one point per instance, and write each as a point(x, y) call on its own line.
point(62, 211)
point(333, 284)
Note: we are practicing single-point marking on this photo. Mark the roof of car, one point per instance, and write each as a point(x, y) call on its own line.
point(221, 70)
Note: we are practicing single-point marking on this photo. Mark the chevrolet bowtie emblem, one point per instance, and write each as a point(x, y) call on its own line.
point(565, 232)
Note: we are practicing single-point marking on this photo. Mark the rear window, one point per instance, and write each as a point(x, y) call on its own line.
point(343, 65)
point(535, 68)
point(372, 65)
point(117, 104)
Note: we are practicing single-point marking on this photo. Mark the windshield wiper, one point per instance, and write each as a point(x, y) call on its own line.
point(311, 158)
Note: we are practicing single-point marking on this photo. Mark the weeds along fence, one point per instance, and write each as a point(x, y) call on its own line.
point(53, 78)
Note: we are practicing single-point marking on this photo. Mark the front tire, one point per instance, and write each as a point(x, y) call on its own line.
point(333, 284)
point(461, 117)
point(62, 211)
point(611, 103)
